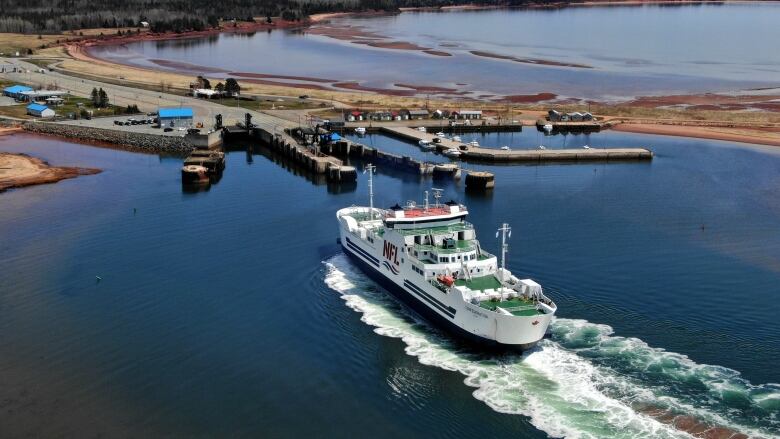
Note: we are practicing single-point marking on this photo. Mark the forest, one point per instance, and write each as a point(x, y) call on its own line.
point(54, 16)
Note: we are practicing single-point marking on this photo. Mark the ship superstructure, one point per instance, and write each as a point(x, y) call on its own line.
point(428, 256)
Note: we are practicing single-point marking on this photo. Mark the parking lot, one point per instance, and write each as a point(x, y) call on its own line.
point(109, 123)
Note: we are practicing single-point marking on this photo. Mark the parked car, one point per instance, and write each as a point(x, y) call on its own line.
point(436, 140)
point(168, 129)
point(118, 122)
point(303, 97)
point(193, 131)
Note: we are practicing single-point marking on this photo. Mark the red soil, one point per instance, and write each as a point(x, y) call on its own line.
point(544, 62)
point(530, 99)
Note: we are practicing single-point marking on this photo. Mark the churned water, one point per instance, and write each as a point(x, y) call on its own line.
point(130, 307)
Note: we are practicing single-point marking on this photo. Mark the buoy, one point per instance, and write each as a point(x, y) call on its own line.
point(98, 278)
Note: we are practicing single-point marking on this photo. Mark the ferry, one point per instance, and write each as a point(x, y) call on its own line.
point(429, 257)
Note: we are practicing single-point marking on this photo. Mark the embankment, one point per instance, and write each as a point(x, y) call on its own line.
point(131, 141)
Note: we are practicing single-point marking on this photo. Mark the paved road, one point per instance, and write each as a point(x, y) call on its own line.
point(146, 100)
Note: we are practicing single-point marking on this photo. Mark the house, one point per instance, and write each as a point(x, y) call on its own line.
point(54, 101)
point(41, 95)
point(418, 114)
point(554, 116)
point(355, 116)
point(38, 110)
point(468, 114)
point(15, 91)
point(575, 116)
point(396, 115)
point(144, 24)
point(564, 117)
point(382, 115)
point(587, 116)
point(175, 117)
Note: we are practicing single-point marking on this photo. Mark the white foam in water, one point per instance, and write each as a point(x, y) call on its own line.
point(558, 386)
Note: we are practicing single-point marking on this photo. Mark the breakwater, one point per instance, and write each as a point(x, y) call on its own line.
point(472, 153)
point(127, 140)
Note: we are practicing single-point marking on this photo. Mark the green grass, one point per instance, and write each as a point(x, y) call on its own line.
point(69, 106)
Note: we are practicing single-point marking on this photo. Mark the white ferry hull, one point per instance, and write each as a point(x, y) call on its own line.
point(448, 311)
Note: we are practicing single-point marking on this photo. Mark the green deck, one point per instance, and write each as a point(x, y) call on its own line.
point(460, 246)
point(516, 306)
point(459, 227)
point(479, 283)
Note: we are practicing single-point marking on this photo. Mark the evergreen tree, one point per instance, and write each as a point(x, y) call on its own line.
point(231, 87)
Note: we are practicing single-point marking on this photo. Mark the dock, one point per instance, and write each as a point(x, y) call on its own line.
point(496, 155)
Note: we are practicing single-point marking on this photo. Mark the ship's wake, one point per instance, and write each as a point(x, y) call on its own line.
point(584, 381)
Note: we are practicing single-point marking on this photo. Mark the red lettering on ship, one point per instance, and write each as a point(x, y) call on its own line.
point(390, 253)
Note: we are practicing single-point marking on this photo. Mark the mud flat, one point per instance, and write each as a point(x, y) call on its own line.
point(19, 170)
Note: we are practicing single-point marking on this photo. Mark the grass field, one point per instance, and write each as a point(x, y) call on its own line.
point(72, 104)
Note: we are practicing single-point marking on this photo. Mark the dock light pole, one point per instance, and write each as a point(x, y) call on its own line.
point(370, 169)
point(506, 232)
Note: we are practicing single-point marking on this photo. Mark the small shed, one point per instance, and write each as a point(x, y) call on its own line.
point(176, 117)
point(468, 114)
point(15, 91)
point(554, 116)
point(575, 116)
point(354, 116)
point(587, 116)
point(39, 110)
point(418, 114)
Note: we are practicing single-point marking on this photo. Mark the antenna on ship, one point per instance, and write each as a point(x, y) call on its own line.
point(370, 169)
point(437, 195)
point(506, 232)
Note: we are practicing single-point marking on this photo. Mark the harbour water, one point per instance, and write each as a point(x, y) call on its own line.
point(639, 50)
point(132, 308)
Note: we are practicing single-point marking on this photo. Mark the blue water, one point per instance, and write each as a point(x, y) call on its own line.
point(232, 312)
point(642, 50)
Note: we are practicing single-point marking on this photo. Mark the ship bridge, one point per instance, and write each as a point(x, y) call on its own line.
point(412, 216)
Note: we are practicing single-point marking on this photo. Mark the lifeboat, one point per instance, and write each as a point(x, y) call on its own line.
point(446, 280)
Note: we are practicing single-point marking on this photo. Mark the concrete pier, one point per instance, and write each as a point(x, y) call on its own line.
point(495, 155)
point(311, 159)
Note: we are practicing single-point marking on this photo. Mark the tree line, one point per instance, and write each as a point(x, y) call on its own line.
point(53, 16)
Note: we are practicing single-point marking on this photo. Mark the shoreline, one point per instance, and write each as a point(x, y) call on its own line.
point(742, 136)
point(716, 116)
point(22, 170)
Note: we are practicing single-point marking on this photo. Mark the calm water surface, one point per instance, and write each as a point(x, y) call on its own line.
point(647, 50)
point(233, 313)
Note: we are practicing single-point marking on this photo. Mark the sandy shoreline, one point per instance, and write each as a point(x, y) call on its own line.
point(740, 135)
point(20, 170)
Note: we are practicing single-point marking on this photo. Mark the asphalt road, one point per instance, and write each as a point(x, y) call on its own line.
point(146, 100)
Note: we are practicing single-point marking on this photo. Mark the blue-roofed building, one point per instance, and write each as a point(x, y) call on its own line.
point(15, 91)
point(175, 117)
point(39, 110)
